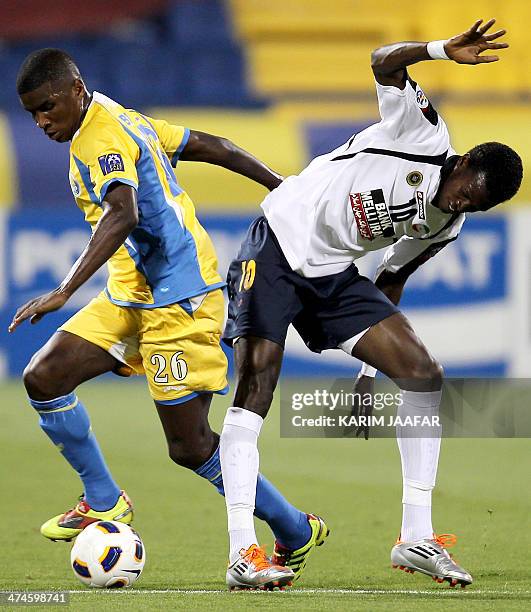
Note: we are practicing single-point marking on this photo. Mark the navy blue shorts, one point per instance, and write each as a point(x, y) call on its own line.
point(266, 295)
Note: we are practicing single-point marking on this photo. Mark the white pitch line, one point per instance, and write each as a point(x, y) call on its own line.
point(444, 593)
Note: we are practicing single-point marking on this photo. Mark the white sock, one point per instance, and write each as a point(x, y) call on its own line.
point(238, 451)
point(420, 456)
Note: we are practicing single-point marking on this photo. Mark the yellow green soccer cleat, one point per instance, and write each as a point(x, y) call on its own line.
point(297, 559)
point(70, 524)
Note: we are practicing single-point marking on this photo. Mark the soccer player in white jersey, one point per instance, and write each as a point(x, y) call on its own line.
point(399, 186)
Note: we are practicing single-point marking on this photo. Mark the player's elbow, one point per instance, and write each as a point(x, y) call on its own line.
point(131, 218)
point(226, 147)
point(221, 152)
point(123, 214)
point(125, 219)
point(377, 58)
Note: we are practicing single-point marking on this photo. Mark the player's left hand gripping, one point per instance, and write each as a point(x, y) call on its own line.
point(362, 406)
point(466, 48)
point(35, 309)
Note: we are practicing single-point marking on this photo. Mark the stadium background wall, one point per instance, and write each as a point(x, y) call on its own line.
point(288, 81)
point(469, 304)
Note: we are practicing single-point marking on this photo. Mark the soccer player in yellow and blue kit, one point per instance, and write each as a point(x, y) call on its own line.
point(161, 313)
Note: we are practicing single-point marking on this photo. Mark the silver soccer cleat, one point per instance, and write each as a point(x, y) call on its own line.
point(254, 570)
point(430, 557)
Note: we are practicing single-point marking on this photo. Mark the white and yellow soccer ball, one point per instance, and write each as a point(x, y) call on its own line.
point(108, 555)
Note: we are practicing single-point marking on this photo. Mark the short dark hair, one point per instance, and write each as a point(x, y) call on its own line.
point(43, 66)
point(502, 167)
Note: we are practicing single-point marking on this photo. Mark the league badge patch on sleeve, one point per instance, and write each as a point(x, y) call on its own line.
point(422, 101)
point(112, 162)
point(426, 106)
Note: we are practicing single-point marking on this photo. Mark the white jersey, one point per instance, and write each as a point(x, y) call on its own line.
point(373, 192)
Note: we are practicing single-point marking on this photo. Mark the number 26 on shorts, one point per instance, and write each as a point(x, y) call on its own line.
point(178, 367)
point(248, 274)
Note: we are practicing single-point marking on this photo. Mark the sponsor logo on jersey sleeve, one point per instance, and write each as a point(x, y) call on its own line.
point(419, 222)
point(421, 205)
point(112, 162)
point(371, 214)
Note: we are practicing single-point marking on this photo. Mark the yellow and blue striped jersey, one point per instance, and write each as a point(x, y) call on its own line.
point(168, 257)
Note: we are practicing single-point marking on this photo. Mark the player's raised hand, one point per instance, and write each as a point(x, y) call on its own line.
point(35, 309)
point(466, 48)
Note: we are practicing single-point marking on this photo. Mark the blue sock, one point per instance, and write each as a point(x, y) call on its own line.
point(289, 525)
point(66, 422)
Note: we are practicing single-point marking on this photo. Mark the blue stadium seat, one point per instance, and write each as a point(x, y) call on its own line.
point(87, 53)
point(199, 22)
point(187, 56)
point(83, 50)
point(11, 58)
point(141, 74)
point(216, 76)
point(8, 73)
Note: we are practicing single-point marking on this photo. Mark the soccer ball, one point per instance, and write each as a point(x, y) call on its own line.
point(108, 554)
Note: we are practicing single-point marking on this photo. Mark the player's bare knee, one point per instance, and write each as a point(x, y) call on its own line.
point(258, 369)
point(438, 372)
point(425, 371)
point(44, 378)
point(432, 371)
point(256, 384)
point(35, 378)
point(190, 454)
point(258, 363)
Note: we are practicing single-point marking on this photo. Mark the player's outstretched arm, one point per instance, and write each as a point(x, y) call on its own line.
point(119, 218)
point(222, 152)
point(389, 62)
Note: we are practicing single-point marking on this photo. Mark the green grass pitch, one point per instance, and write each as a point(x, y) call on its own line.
point(483, 496)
